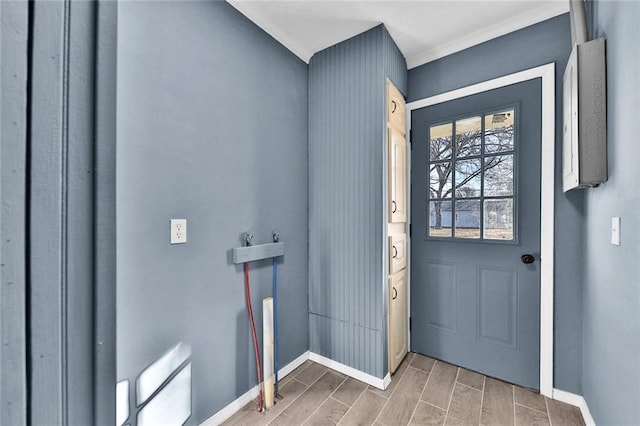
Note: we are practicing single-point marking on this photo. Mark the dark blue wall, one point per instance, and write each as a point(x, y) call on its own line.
point(347, 140)
point(212, 127)
point(612, 279)
point(539, 44)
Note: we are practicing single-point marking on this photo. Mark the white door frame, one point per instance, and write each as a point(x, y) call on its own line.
point(547, 190)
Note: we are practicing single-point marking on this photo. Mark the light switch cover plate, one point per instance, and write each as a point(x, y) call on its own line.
point(178, 231)
point(615, 231)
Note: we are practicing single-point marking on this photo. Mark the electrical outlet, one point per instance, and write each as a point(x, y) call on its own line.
point(178, 231)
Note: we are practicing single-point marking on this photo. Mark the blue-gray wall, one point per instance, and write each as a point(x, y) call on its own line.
point(211, 127)
point(611, 366)
point(347, 134)
point(545, 42)
point(14, 17)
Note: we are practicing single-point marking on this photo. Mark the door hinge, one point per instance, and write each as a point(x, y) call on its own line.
point(409, 230)
point(409, 323)
point(411, 139)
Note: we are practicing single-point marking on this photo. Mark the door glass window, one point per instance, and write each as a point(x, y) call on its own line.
point(468, 137)
point(498, 133)
point(440, 142)
point(440, 218)
point(471, 177)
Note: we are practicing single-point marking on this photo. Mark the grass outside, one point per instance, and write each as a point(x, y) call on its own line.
point(490, 234)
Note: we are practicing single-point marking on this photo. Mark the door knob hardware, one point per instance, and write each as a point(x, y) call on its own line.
point(395, 252)
point(395, 294)
point(394, 106)
point(395, 206)
point(527, 259)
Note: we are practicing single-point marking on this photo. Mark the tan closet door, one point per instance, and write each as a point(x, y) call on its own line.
point(396, 115)
point(397, 177)
point(398, 341)
point(397, 253)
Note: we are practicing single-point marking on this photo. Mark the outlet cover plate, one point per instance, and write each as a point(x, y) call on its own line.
point(178, 231)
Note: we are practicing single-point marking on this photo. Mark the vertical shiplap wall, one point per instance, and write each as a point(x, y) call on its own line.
point(395, 65)
point(346, 215)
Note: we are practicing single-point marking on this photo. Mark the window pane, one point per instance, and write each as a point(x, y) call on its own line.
point(467, 219)
point(440, 146)
point(498, 132)
point(468, 178)
point(498, 219)
point(440, 219)
point(440, 180)
point(468, 137)
point(498, 175)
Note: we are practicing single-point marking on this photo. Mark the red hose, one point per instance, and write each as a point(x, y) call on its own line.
point(253, 331)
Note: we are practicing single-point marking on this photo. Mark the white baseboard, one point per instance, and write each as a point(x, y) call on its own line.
point(576, 400)
point(351, 372)
point(251, 394)
point(387, 381)
point(228, 411)
point(284, 371)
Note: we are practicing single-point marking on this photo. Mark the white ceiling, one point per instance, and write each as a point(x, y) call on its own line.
point(424, 30)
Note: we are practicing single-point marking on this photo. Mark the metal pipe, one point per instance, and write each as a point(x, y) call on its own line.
point(578, 22)
point(275, 324)
point(247, 291)
point(276, 239)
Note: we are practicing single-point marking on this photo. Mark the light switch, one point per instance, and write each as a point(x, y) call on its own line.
point(615, 231)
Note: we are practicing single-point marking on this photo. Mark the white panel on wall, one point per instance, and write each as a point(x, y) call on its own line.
point(153, 376)
point(172, 405)
point(122, 402)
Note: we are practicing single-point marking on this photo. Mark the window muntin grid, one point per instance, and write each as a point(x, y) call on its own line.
point(472, 171)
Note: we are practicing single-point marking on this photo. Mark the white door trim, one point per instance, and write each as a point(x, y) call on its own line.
point(547, 74)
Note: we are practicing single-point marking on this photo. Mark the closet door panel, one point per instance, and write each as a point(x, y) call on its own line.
point(397, 177)
point(397, 253)
point(398, 341)
point(396, 111)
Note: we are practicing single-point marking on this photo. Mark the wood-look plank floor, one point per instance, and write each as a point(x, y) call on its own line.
point(423, 391)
